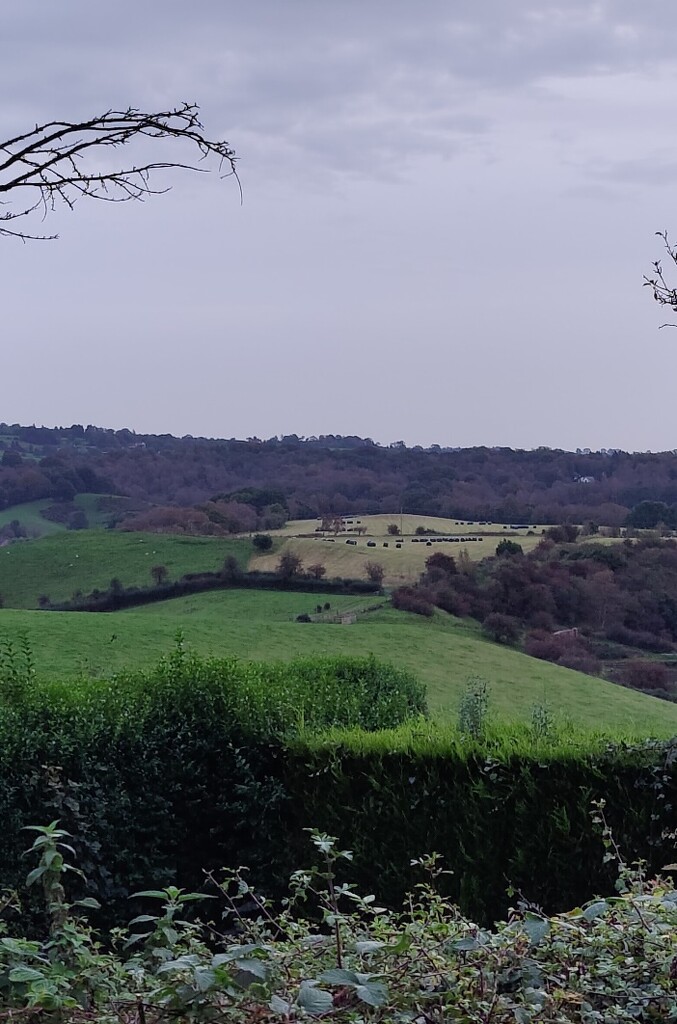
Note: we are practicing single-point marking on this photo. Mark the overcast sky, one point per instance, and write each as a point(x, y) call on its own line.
point(448, 211)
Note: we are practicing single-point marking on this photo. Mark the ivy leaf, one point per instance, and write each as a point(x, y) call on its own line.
point(465, 945)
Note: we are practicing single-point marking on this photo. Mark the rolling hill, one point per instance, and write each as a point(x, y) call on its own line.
point(68, 561)
point(443, 652)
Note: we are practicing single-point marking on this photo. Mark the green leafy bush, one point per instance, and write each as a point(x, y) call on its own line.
point(199, 762)
point(348, 960)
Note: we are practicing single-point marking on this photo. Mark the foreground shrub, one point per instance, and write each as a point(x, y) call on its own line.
point(330, 952)
point(198, 763)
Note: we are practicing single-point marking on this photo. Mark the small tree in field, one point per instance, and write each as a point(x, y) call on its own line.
point(393, 530)
point(231, 569)
point(317, 571)
point(290, 565)
point(508, 547)
point(262, 541)
point(159, 574)
point(504, 629)
point(375, 572)
point(440, 566)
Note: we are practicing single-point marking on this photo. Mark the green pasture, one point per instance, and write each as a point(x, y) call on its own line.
point(443, 652)
point(68, 561)
point(28, 514)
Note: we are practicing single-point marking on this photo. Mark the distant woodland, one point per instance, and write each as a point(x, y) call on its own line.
point(308, 477)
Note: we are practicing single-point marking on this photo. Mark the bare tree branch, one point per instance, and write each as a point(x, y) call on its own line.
point(663, 293)
point(47, 164)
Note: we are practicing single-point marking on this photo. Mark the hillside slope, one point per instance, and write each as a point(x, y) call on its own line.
point(65, 562)
point(443, 652)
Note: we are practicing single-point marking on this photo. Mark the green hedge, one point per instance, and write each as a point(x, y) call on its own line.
point(502, 815)
point(200, 763)
point(165, 772)
point(113, 600)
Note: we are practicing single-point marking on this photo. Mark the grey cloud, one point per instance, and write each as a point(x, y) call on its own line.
point(430, 190)
point(320, 75)
point(645, 171)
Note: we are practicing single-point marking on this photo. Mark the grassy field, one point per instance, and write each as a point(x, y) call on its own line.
point(443, 652)
point(401, 565)
point(377, 526)
point(29, 516)
point(68, 561)
point(37, 526)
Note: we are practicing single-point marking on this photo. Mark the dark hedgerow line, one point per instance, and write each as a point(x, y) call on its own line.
point(118, 597)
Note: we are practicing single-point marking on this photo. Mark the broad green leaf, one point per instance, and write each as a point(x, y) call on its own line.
point(204, 978)
point(278, 1005)
point(337, 976)
point(374, 993)
point(89, 903)
point(35, 874)
point(595, 910)
point(180, 963)
point(465, 945)
point(368, 946)
point(402, 945)
point(251, 966)
point(536, 928)
point(20, 946)
point(25, 974)
point(155, 894)
point(223, 958)
point(246, 949)
point(314, 1000)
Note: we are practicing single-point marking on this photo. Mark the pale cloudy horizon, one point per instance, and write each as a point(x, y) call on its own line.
point(448, 212)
